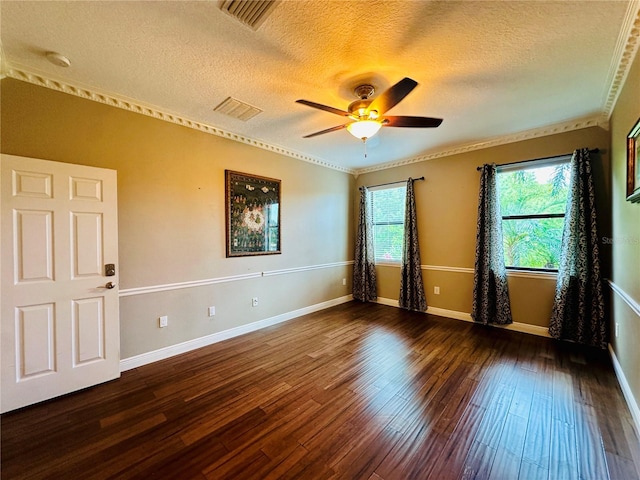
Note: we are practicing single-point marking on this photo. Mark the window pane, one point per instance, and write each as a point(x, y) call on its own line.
point(388, 223)
point(534, 190)
point(388, 205)
point(388, 242)
point(532, 243)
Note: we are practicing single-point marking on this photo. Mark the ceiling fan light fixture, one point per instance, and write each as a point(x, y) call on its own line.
point(364, 129)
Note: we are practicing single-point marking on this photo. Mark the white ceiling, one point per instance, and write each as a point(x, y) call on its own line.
point(491, 69)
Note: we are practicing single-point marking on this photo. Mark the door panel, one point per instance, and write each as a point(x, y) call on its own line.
point(88, 330)
point(31, 184)
point(35, 342)
point(87, 244)
point(33, 254)
point(60, 326)
point(86, 189)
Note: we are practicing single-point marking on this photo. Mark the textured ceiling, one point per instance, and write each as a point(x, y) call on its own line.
point(490, 69)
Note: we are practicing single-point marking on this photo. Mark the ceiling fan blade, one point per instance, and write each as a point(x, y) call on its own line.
point(323, 107)
point(416, 122)
point(321, 132)
point(393, 95)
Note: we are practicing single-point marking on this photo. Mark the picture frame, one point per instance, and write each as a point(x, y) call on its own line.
point(633, 165)
point(252, 205)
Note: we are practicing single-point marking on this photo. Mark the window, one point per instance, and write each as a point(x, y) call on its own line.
point(387, 206)
point(533, 197)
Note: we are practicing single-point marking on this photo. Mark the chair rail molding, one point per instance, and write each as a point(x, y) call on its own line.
point(128, 292)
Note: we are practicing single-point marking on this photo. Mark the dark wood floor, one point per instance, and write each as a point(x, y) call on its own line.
point(355, 392)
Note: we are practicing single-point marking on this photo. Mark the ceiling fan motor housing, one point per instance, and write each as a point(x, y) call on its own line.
point(359, 108)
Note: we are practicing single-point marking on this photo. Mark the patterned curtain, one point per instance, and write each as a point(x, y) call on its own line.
point(490, 290)
point(579, 311)
point(364, 268)
point(411, 288)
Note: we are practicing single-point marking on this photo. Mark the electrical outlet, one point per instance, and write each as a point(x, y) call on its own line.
point(436, 290)
point(254, 302)
point(212, 311)
point(344, 281)
point(163, 321)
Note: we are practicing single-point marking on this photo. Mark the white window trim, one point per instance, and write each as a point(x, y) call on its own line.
point(386, 262)
point(528, 164)
point(532, 272)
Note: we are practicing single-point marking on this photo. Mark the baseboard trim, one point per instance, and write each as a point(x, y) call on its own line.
point(466, 317)
point(626, 389)
point(172, 350)
point(443, 312)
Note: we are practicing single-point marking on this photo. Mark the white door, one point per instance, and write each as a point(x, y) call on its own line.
point(60, 327)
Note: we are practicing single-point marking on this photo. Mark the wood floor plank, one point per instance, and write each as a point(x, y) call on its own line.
point(281, 464)
point(592, 461)
point(621, 468)
point(450, 462)
point(532, 471)
point(357, 391)
point(563, 462)
point(506, 463)
point(634, 446)
point(538, 437)
point(478, 462)
point(368, 452)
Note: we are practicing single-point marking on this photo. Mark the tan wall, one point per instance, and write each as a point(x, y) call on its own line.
point(171, 214)
point(626, 236)
point(447, 203)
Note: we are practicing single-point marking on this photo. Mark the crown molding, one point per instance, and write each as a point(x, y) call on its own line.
point(3, 62)
point(625, 52)
point(568, 126)
point(623, 56)
point(25, 75)
point(89, 93)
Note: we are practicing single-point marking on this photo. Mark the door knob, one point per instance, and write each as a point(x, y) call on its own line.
point(109, 285)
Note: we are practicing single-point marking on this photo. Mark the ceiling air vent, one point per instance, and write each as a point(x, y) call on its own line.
point(249, 12)
point(237, 109)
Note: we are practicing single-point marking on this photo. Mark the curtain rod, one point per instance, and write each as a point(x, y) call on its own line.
point(391, 183)
point(593, 150)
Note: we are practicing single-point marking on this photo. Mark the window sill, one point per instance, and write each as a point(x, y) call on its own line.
point(388, 263)
point(532, 274)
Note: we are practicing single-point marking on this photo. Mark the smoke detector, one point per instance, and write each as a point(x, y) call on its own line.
point(58, 59)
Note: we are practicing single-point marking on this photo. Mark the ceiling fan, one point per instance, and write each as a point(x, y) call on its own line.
point(369, 115)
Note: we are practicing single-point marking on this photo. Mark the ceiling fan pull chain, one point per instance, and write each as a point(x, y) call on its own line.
point(364, 140)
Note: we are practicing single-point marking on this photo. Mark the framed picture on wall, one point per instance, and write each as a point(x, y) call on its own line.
point(252, 214)
point(633, 166)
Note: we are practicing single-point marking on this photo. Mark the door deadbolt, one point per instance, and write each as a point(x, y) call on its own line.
point(109, 269)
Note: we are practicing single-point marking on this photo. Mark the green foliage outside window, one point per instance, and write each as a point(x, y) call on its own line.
point(533, 242)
